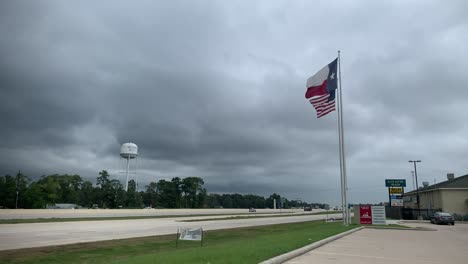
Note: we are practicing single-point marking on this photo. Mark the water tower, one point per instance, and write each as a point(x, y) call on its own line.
point(128, 151)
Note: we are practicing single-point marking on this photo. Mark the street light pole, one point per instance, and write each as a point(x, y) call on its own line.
point(417, 188)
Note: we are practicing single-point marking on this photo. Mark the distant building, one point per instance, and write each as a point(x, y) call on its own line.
point(449, 196)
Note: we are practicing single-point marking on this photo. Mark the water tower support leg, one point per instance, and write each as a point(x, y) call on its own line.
point(126, 183)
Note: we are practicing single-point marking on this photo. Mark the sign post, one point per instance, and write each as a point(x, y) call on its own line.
point(395, 191)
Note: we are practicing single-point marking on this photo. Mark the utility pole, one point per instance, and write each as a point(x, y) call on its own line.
point(417, 188)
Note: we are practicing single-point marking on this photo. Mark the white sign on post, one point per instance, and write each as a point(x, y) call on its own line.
point(191, 234)
point(378, 215)
point(396, 202)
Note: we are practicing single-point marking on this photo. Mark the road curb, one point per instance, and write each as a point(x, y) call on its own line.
point(402, 228)
point(297, 252)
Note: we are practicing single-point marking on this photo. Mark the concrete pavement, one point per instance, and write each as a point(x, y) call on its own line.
point(448, 244)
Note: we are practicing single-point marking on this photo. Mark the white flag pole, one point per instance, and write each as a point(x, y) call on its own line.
point(338, 97)
point(344, 186)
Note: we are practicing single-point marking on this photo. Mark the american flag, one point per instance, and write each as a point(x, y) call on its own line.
point(321, 89)
point(322, 105)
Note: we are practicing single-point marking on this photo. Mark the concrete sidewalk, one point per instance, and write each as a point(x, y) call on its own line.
point(448, 244)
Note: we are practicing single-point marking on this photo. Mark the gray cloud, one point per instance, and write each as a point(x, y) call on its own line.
point(216, 90)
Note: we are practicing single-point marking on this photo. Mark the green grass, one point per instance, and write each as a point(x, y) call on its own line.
point(241, 245)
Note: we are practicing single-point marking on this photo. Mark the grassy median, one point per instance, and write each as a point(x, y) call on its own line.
point(240, 245)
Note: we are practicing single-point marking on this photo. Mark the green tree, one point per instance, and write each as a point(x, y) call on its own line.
point(133, 196)
point(8, 191)
point(3, 191)
point(70, 186)
point(213, 201)
point(87, 194)
point(35, 198)
point(201, 198)
point(22, 188)
point(150, 196)
point(191, 186)
point(227, 201)
point(106, 197)
point(118, 194)
point(50, 189)
point(9, 185)
point(166, 194)
point(177, 191)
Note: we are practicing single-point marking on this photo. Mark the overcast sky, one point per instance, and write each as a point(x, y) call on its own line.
point(215, 89)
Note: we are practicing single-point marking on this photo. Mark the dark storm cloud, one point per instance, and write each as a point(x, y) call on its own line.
point(215, 89)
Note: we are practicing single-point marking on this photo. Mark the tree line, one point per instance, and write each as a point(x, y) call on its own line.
point(21, 192)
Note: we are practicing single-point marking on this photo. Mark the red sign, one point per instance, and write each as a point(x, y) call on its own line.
point(365, 214)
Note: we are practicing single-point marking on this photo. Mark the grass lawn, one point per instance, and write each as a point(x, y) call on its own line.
point(241, 245)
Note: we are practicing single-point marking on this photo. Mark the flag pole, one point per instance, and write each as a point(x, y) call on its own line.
point(344, 186)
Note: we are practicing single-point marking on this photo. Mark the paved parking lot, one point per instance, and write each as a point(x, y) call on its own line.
point(447, 244)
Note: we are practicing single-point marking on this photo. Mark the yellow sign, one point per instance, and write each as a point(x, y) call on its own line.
point(395, 190)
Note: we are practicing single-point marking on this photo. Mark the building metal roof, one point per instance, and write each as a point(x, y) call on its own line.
point(456, 183)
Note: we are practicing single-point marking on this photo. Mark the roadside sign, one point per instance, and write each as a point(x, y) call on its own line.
point(396, 202)
point(395, 183)
point(372, 215)
point(365, 214)
point(378, 215)
point(191, 234)
point(395, 190)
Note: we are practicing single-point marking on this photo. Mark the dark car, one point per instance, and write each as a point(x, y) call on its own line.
point(307, 208)
point(252, 210)
point(442, 218)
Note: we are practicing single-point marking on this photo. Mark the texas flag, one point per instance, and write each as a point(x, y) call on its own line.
point(321, 89)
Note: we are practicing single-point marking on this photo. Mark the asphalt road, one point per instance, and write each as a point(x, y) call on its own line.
point(448, 244)
point(15, 236)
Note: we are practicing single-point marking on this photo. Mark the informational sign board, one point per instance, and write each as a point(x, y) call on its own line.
point(378, 215)
point(396, 202)
point(372, 215)
point(395, 183)
point(395, 190)
point(395, 194)
point(365, 213)
point(191, 234)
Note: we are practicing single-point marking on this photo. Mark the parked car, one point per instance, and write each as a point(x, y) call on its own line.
point(308, 208)
point(442, 218)
point(252, 210)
